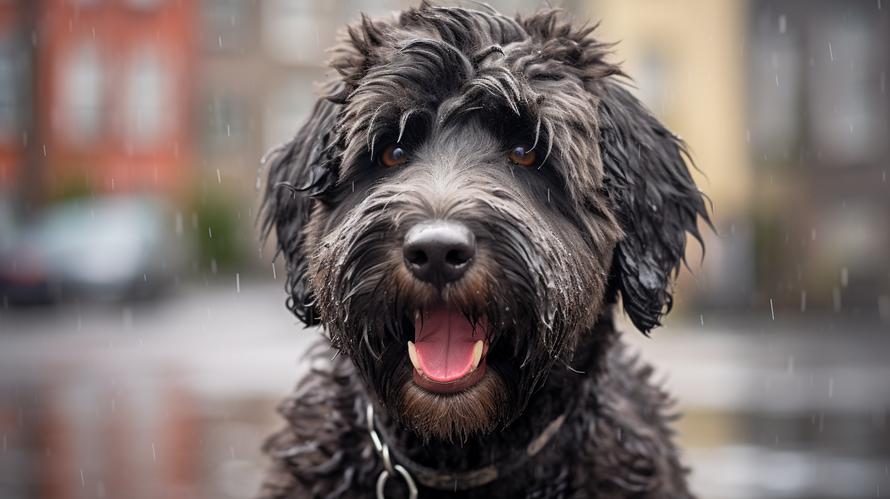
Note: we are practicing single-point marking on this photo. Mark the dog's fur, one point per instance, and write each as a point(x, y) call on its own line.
point(603, 213)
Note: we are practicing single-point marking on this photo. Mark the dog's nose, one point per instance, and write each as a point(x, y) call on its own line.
point(439, 252)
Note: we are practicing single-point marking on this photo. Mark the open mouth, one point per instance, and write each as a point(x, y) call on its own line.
point(448, 351)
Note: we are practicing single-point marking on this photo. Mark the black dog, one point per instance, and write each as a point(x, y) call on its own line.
point(460, 213)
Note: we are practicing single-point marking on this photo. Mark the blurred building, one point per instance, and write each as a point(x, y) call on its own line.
point(785, 109)
point(109, 96)
point(819, 118)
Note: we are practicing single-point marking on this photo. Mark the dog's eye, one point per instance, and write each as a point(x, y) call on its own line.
point(394, 155)
point(522, 156)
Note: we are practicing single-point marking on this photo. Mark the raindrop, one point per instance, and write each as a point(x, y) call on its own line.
point(830, 52)
point(178, 223)
point(218, 176)
point(274, 275)
point(219, 41)
point(210, 232)
point(772, 311)
point(154, 452)
point(701, 317)
point(237, 282)
point(44, 150)
point(783, 24)
point(845, 277)
point(803, 300)
point(83, 482)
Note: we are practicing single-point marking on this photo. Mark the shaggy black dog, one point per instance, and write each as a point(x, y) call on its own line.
point(461, 213)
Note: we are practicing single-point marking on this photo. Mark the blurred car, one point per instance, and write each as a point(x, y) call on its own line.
point(105, 248)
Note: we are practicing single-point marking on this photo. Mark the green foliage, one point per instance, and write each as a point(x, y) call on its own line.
point(218, 228)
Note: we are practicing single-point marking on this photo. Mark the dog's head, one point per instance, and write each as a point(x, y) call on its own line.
point(469, 196)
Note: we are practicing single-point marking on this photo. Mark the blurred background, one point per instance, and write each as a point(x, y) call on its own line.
point(144, 341)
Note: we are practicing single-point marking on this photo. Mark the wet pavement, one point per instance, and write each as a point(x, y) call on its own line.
point(173, 398)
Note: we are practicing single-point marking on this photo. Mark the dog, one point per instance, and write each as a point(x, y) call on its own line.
point(461, 213)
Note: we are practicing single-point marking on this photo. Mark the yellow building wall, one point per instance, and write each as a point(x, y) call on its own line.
point(700, 47)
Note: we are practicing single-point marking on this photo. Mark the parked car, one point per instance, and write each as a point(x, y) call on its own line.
point(105, 248)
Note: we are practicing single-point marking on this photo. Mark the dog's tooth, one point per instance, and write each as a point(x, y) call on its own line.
point(477, 353)
point(412, 354)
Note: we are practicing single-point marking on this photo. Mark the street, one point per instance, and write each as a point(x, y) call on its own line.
point(182, 391)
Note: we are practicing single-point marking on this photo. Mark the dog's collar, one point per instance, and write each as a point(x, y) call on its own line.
point(395, 463)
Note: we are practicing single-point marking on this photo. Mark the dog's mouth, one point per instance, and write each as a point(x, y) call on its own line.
point(448, 351)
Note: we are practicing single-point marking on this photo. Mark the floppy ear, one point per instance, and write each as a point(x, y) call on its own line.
point(656, 203)
point(300, 172)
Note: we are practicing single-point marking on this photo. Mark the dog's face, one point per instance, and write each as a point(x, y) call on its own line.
point(466, 200)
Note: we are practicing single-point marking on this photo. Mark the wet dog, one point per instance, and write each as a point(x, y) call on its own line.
point(461, 213)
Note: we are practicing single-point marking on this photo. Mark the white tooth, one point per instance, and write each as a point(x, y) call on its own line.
point(477, 353)
point(412, 354)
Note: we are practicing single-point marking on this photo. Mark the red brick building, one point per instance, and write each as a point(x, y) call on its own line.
point(110, 84)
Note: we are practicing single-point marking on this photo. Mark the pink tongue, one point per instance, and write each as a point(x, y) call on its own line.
point(444, 342)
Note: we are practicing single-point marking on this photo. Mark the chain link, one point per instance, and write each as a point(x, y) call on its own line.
point(388, 468)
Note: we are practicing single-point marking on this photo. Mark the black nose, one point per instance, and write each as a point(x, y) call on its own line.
point(439, 252)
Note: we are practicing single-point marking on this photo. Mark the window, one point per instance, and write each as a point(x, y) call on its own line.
point(846, 111)
point(298, 32)
point(11, 74)
point(81, 94)
point(225, 25)
point(287, 107)
point(774, 90)
point(148, 99)
point(225, 122)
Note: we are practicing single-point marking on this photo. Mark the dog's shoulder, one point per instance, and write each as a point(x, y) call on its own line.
point(634, 451)
point(322, 451)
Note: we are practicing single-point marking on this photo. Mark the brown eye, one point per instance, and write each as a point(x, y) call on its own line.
point(394, 155)
point(522, 156)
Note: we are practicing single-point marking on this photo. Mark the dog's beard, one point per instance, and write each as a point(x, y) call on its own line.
point(532, 298)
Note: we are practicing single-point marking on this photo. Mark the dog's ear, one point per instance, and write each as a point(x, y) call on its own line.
point(656, 202)
point(301, 171)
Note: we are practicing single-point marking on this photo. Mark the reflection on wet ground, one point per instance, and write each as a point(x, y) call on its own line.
point(173, 398)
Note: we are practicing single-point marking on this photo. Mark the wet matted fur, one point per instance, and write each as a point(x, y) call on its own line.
point(603, 212)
